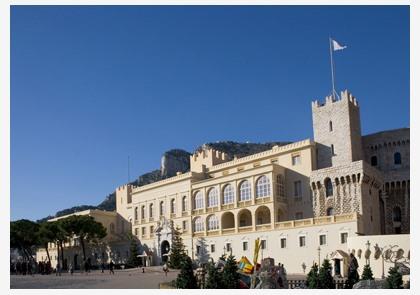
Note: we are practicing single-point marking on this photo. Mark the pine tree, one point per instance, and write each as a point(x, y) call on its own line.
point(186, 278)
point(230, 275)
point(367, 273)
point(133, 260)
point(326, 280)
point(178, 250)
point(312, 280)
point(394, 279)
point(214, 277)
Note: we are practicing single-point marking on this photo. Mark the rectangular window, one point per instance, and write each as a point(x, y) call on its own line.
point(344, 237)
point(198, 248)
point(298, 189)
point(283, 243)
point(184, 225)
point(322, 240)
point(151, 230)
point(143, 231)
point(332, 150)
point(263, 244)
point(212, 248)
point(302, 241)
point(245, 246)
point(228, 247)
point(136, 231)
point(299, 215)
point(296, 160)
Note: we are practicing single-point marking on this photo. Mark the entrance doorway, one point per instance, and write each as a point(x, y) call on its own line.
point(164, 250)
point(337, 267)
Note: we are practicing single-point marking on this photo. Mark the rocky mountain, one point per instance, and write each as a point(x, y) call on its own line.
point(173, 161)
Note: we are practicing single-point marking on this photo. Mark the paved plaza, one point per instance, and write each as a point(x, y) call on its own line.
point(123, 279)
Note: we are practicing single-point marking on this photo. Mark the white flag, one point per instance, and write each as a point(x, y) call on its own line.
point(337, 46)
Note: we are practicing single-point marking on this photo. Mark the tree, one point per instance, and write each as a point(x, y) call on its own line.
point(24, 236)
point(214, 277)
point(178, 250)
point(46, 235)
point(312, 279)
point(326, 280)
point(394, 279)
point(85, 228)
point(367, 273)
point(230, 275)
point(133, 260)
point(186, 278)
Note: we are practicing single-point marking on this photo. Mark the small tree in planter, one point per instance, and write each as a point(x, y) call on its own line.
point(186, 278)
point(230, 275)
point(367, 273)
point(312, 280)
point(326, 280)
point(394, 279)
point(214, 277)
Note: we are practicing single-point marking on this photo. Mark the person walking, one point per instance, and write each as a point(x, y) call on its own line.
point(71, 269)
point(165, 269)
point(102, 267)
point(111, 267)
point(58, 270)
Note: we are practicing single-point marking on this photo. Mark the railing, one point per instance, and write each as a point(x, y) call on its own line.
point(228, 231)
point(304, 222)
point(173, 215)
point(227, 206)
point(262, 200)
point(197, 211)
point(345, 217)
point(198, 234)
point(143, 220)
point(151, 219)
point(263, 226)
point(185, 213)
point(299, 284)
point(212, 209)
point(324, 219)
point(136, 222)
point(243, 204)
point(215, 232)
point(243, 229)
point(317, 220)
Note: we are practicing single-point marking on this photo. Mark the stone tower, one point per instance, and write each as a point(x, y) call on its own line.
point(337, 132)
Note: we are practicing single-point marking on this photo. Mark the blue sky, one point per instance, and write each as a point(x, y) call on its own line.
point(92, 85)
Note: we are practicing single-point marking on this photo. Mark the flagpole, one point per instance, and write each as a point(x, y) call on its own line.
point(332, 69)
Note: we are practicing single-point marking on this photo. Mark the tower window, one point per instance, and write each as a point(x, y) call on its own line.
point(374, 161)
point(332, 150)
point(331, 127)
point(397, 158)
point(330, 211)
point(328, 187)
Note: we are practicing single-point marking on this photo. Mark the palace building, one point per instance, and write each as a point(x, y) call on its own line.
point(304, 200)
point(308, 200)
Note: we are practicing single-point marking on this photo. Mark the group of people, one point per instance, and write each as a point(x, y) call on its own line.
point(22, 268)
point(44, 268)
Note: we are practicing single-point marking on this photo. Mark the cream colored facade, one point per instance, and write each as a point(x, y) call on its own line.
point(114, 246)
point(304, 199)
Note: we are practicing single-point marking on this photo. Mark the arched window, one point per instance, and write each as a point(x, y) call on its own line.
point(184, 203)
point(330, 211)
point(374, 161)
point(263, 187)
point(213, 223)
point(151, 210)
point(397, 158)
point(245, 191)
point(198, 224)
point(161, 208)
point(173, 206)
point(396, 214)
point(212, 198)
point(198, 200)
point(331, 127)
point(228, 194)
point(142, 212)
point(328, 187)
point(136, 213)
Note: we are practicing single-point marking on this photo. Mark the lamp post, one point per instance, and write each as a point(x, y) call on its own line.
point(319, 256)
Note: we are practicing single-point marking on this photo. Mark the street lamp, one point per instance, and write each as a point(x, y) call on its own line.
point(319, 256)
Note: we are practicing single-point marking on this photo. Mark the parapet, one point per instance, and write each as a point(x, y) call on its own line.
point(344, 96)
point(207, 157)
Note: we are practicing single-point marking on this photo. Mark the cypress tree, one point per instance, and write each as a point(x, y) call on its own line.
point(178, 250)
point(367, 273)
point(326, 280)
point(230, 275)
point(186, 278)
point(312, 279)
point(133, 260)
point(394, 279)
